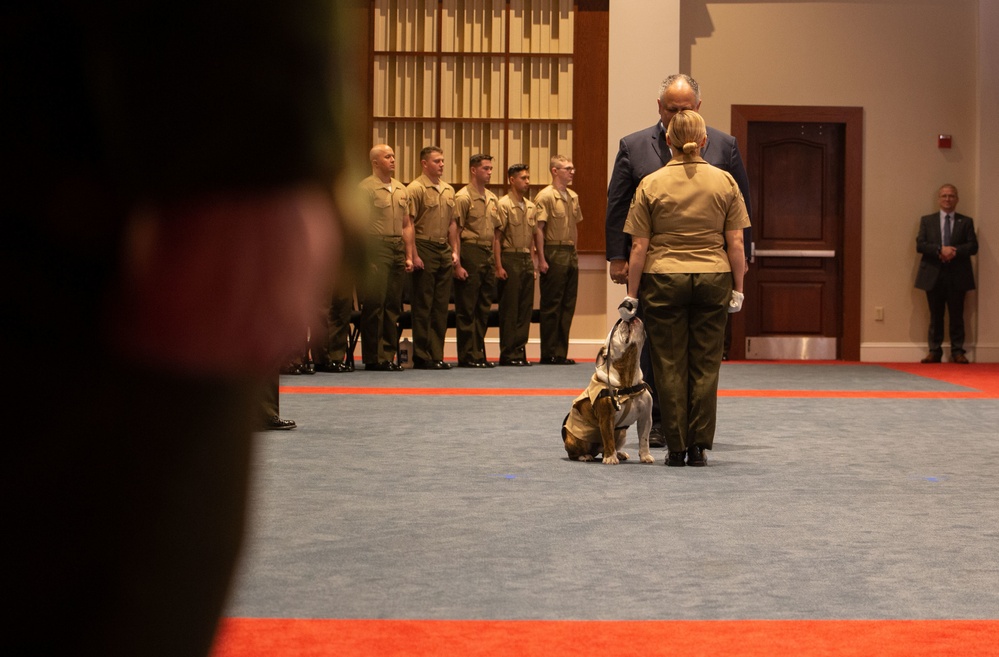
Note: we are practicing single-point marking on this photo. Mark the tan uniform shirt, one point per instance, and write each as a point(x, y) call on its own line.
point(477, 215)
point(560, 214)
point(431, 207)
point(517, 223)
point(684, 209)
point(388, 203)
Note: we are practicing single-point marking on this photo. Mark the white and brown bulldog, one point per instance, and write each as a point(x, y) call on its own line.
point(616, 398)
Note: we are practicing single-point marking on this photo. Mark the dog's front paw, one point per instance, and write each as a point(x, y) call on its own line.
point(612, 459)
point(585, 457)
point(623, 456)
point(648, 458)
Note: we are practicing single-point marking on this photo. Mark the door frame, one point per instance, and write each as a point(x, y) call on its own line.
point(850, 263)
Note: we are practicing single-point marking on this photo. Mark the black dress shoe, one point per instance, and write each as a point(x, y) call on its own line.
point(420, 364)
point(336, 368)
point(384, 366)
point(513, 362)
point(308, 367)
point(486, 363)
point(562, 360)
point(696, 457)
point(275, 423)
point(656, 437)
point(931, 358)
point(472, 363)
point(676, 459)
point(291, 368)
point(550, 360)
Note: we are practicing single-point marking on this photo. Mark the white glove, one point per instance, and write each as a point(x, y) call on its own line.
point(735, 303)
point(627, 308)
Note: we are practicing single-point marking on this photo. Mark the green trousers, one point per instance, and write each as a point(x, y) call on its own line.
point(473, 298)
point(337, 331)
point(559, 287)
point(381, 303)
point(516, 301)
point(685, 316)
point(430, 299)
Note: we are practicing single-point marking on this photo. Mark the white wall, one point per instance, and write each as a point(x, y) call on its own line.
point(644, 49)
point(916, 68)
point(987, 217)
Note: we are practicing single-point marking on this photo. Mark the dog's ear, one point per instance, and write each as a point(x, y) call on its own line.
point(601, 356)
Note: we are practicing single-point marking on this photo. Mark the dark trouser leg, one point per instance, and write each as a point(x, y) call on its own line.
point(665, 299)
point(515, 305)
point(728, 335)
point(388, 346)
point(373, 298)
point(487, 295)
point(559, 287)
point(443, 277)
point(706, 336)
point(470, 297)
point(431, 295)
point(955, 311)
point(649, 372)
point(422, 300)
point(337, 330)
point(937, 299)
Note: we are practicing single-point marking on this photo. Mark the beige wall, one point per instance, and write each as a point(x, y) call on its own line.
point(917, 67)
point(913, 65)
point(987, 192)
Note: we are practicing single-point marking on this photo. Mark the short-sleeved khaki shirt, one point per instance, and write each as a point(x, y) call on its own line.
point(431, 207)
point(560, 214)
point(517, 223)
point(477, 215)
point(388, 203)
point(684, 209)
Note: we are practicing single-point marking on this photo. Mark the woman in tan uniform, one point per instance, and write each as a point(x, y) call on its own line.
point(686, 267)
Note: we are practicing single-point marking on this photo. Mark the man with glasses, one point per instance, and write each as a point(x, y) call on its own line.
point(946, 241)
point(558, 214)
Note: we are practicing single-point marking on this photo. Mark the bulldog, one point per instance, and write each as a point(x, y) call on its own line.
point(616, 398)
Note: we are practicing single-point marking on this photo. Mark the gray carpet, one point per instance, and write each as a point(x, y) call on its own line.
point(466, 507)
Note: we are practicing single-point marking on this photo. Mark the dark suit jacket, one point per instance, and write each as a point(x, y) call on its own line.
point(929, 241)
point(645, 151)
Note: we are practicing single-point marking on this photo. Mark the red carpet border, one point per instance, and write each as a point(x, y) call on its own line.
point(249, 637)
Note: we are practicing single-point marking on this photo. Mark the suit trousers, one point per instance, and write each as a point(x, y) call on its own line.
point(381, 304)
point(685, 317)
point(559, 287)
point(473, 298)
point(945, 297)
point(431, 296)
point(516, 301)
point(336, 326)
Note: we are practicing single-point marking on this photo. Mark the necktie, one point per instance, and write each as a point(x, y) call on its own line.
point(946, 235)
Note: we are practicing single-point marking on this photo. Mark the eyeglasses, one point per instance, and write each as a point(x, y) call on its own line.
point(569, 169)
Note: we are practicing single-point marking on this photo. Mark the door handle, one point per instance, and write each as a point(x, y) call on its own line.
point(794, 253)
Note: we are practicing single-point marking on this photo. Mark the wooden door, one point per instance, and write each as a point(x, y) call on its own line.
point(797, 306)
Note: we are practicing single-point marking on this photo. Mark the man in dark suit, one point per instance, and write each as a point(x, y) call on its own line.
point(947, 241)
point(643, 152)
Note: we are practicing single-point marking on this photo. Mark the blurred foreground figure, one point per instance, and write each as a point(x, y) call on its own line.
point(168, 228)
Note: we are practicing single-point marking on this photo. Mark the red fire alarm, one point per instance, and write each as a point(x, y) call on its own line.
point(943, 141)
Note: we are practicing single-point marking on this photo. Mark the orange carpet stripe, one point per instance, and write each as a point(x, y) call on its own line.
point(264, 637)
point(564, 392)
